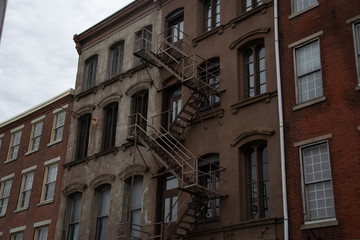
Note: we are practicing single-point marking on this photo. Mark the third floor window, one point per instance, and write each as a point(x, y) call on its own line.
point(211, 14)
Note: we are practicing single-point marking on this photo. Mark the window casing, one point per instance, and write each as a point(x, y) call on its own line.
point(255, 75)
point(317, 182)
point(139, 105)
point(41, 233)
point(247, 5)
point(116, 59)
point(211, 14)
point(35, 136)
point(4, 195)
point(74, 203)
point(257, 181)
point(15, 145)
point(110, 122)
point(90, 72)
point(209, 177)
point(209, 72)
point(83, 135)
point(170, 198)
point(17, 236)
point(49, 182)
point(175, 27)
point(308, 72)
point(58, 126)
point(102, 209)
point(26, 187)
point(356, 28)
point(299, 5)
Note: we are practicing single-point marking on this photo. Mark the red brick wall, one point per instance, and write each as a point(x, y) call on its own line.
point(339, 114)
point(34, 213)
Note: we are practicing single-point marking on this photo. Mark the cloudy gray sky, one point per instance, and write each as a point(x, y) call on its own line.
point(38, 59)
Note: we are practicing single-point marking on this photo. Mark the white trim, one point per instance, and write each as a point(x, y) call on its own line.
point(38, 107)
point(60, 109)
point(29, 169)
point(51, 161)
point(18, 229)
point(1, 233)
point(309, 103)
point(42, 223)
point(305, 40)
point(38, 119)
point(320, 223)
point(353, 19)
point(295, 14)
point(17, 129)
point(358, 128)
point(313, 140)
point(10, 176)
point(1, 135)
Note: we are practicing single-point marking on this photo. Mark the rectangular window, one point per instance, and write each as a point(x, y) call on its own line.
point(308, 72)
point(103, 206)
point(143, 40)
point(35, 136)
point(211, 14)
point(58, 126)
point(17, 236)
point(318, 191)
point(299, 5)
point(250, 4)
point(49, 182)
point(356, 27)
point(90, 72)
point(4, 195)
point(41, 233)
point(209, 72)
point(135, 209)
point(74, 216)
point(14, 145)
point(1, 136)
point(26, 187)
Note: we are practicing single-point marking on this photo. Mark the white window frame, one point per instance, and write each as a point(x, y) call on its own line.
point(295, 12)
point(16, 231)
point(46, 182)
point(33, 137)
point(25, 173)
point(55, 127)
point(4, 181)
point(309, 223)
point(39, 226)
point(356, 35)
point(13, 145)
point(1, 136)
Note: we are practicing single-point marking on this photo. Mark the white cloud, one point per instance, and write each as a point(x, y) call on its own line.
point(38, 59)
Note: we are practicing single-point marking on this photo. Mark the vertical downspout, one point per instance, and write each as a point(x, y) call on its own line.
point(281, 122)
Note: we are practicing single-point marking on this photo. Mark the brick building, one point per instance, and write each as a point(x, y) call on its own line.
point(175, 130)
point(319, 52)
point(32, 152)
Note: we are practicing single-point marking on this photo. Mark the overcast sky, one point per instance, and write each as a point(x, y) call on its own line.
point(38, 59)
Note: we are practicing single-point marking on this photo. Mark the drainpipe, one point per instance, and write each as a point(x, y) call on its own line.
point(281, 122)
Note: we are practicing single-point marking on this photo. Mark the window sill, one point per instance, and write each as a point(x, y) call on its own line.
point(21, 210)
point(2, 215)
point(53, 143)
point(45, 202)
point(303, 11)
point(263, 97)
point(309, 103)
point(9, 161)
point(31, 152)
point(357, 88)
point(113, 150)
point(320, 223)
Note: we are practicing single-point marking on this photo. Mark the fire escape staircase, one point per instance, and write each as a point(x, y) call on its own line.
point(165, 144)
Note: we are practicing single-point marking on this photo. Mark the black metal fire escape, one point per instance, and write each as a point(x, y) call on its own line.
point(165, 144)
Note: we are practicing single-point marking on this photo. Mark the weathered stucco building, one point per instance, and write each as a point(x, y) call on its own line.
point(175, 128)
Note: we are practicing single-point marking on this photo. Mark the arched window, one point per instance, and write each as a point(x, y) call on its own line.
point(139, 106)
point(110, 122)
point(83, 135)
point(116, 58)
point(102, 196)
point(90, 72)
point(73, 215)
point(255, 76)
